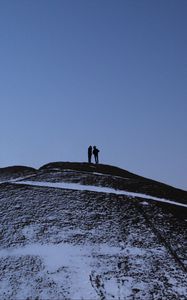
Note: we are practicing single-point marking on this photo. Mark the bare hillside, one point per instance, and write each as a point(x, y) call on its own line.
point(80, 231)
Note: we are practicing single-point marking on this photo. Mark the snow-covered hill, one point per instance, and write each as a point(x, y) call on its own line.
point(80, 231)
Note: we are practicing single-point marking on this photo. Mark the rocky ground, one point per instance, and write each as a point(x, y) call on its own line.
point(76, 243)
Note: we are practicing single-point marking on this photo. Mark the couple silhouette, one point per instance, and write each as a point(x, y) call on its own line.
point(95, 152)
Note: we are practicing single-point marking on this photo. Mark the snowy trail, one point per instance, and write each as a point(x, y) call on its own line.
point(99, 189)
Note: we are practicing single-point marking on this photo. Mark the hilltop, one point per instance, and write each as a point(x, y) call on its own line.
point(85, 231)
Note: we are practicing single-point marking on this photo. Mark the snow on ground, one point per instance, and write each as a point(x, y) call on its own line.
point(84, 272)
point(59, 256)
point(66, 240)
point(115, 176)
point(79, 260)
point(92, 188)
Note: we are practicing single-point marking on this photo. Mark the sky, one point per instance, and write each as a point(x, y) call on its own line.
point(75, 73)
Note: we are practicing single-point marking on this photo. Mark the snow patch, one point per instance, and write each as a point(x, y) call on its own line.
point(144, 203)
point(78, 260)
point(30, 231)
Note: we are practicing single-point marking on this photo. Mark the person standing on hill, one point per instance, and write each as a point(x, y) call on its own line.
point(96, 154)
point(89, 154)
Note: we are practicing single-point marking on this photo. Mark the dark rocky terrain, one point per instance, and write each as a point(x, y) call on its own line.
point(68, 233)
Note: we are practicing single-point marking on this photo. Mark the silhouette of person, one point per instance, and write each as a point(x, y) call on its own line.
point(95, 153)
point(89, 154)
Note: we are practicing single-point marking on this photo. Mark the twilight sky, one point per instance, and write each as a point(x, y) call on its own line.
point(101, 72)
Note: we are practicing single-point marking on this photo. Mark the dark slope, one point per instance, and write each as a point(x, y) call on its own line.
point(135, 183)
point(104, 169)
point(14, 172)
point(59, 243)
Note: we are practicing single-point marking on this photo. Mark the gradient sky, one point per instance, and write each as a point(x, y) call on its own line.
point(101, 72)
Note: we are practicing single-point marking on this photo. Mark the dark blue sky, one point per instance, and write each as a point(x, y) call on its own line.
point(102, 72)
